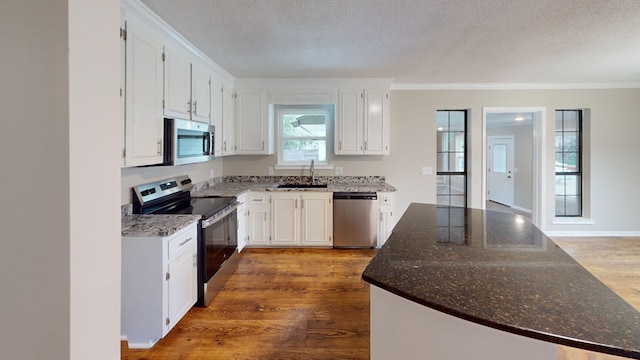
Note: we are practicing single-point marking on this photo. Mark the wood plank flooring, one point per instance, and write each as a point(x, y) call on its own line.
point(613, 260)
point(312, 304)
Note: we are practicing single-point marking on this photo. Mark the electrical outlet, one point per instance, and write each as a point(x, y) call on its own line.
point(211, 173)
point(270, 170)
point(338, 170)
point(426, 170)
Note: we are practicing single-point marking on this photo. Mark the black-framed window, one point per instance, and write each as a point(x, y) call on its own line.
point(451, 139)
point(568, 163)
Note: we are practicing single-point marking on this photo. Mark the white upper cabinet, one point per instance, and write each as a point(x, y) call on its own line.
point(228, 119)
point(254, 130)
point(143, 92)
point(362, 122)
point(186, 86)
point(376, 122)
point(216, 113)
point(200, 93)
point(177, 83)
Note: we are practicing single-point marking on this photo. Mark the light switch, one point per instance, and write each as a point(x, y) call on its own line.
point(338, 170)
point(427, 170)
point(270, 170)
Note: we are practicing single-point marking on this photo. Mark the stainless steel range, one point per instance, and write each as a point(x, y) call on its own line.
point(218, 228)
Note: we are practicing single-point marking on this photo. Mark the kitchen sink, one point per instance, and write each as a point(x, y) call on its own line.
point(302, 186)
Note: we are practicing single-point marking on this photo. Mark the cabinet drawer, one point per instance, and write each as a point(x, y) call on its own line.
point(184, 240)
point(257, 198)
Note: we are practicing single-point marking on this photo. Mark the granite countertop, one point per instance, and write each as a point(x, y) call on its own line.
point(499, 270)
point(155, 225)
point(237, 185)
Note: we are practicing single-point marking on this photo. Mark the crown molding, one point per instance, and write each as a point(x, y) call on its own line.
point(515, 86)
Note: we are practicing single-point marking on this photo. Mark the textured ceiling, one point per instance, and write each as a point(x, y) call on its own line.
point(416, 41)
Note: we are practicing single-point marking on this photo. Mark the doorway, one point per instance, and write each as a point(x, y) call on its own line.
point(500, 166)
point(517, 185)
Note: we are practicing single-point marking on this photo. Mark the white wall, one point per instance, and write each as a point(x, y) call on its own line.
point(94, 149)
point(615, 200)
point(60, 257)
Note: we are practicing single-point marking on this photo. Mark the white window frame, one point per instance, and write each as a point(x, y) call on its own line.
point(304, 110)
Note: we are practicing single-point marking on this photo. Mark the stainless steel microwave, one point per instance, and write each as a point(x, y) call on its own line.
point(187, 142)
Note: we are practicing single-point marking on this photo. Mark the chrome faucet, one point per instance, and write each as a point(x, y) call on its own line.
point(313, 176)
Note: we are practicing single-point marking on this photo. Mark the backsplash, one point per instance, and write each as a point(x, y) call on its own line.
point(127, 209)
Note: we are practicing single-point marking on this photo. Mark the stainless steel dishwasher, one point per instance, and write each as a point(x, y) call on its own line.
point(355, 216)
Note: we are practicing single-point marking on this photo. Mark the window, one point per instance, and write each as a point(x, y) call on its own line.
point(568, 163)
point(303, 133)
point(451, 133)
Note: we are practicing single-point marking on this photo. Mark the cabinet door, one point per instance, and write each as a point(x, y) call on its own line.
point(386, 220)
point(228, 120)
point(317, 219)
point(216, 113)
point(123, 64)
point(376, 122)
point(349, 123)
point(251, 122)
point(181, 286)
point(177, 83)
point(143, 115)
point(258, 218)
point(242, 225)
point(200, 93)
point(286, 219)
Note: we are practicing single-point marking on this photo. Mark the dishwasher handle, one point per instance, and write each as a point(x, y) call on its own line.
point(355, 196)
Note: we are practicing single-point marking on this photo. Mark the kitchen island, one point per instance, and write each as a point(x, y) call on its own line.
point(454, 283)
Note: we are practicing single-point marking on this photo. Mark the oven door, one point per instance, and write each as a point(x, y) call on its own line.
point(218, 241)
point(188, 142)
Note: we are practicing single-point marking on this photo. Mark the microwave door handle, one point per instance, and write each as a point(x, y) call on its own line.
point(211, 143)
point(205, 144)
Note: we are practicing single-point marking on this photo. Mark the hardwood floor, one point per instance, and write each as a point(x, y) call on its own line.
point(312, 304)
point(613, 260)
point(280, 304)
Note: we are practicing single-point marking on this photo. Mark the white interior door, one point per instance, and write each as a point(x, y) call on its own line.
point(500, 177)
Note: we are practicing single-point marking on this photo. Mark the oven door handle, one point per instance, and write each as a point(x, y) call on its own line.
point(221, 215)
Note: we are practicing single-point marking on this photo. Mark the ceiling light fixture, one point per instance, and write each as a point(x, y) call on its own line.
point(519, 118)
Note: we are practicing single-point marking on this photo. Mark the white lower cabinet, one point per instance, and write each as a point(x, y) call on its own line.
point(304, 218)
point(159, 284)
point(258, 218)
point(386, 219)
point(317, 219)
point(242, 222)
point(282, 219)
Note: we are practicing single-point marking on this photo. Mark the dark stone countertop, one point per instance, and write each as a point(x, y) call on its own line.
point(499, 270)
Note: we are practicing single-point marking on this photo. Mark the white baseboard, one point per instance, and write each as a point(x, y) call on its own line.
point(569, 233)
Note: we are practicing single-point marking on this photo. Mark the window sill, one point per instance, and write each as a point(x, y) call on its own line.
point(573, 221)
point(303, 167)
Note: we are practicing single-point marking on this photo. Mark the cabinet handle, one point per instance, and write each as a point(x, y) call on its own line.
point(380, 217)
point(189, 106)
point(159, 147)
point(195, 107)
point(365, 146)
point(295, 206)
point(340, 142)
point(265, 217)
point(263, 145)
point(184, 242)
point(224, 145)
